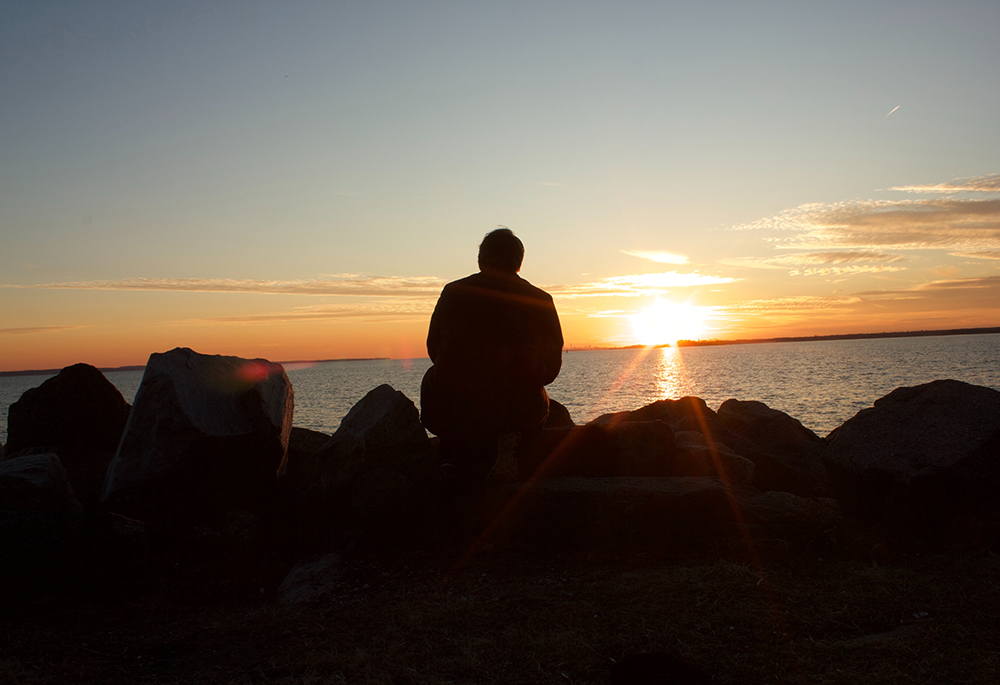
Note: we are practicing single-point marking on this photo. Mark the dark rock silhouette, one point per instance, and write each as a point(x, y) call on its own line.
point(205, 437)
point(311, 580)
point(372, 475)
point(924, 461)
point(559, 416)
point(79, 415)
point(36, 482)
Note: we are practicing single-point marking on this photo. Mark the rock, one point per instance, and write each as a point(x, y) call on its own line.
point(79, 415)
point(629, 448)
point(788, 456)
point(558, 417)
point(382, 433)
point(36, 482)
point(311, 580)
point(206, 436)
point(391, 509)
point(668, 411)
point(78, 407)
point(656, 514)
point(303, 442)
point(50, 553)
point(3, 453)
point(924, 460)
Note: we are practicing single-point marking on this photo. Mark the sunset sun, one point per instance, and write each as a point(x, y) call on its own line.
point(665, 322)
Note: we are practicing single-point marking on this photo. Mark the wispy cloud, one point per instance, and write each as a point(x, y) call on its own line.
point(402, 310)
point(944, 223)
point(989, 183)
point(982, 254)
point(336, 284)
point(659, 257)
point(638, 285)
point(890, 112)
point(36, 329)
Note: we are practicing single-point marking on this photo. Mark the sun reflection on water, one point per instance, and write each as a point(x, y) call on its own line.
point(670, 374)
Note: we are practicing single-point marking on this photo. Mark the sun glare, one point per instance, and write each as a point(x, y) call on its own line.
point(665, 322)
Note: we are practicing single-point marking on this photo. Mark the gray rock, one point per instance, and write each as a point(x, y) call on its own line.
point(922, 459)
point(311, 580)
point(206, 436)
point(787, 455)
point(78, 406)
point(663, 514)
point(36, 482)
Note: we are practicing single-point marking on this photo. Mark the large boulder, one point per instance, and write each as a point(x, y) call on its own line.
point(924, 460)
point(79, 415)
point(373, 476)
point(205, 437)
point(36, 482)
point(78, 406)
point(788, 456)
point(559, 416)
point(311, 580)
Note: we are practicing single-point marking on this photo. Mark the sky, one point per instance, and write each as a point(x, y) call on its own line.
point(298, 180)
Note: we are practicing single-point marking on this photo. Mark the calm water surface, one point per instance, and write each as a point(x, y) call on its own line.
point(820, 383)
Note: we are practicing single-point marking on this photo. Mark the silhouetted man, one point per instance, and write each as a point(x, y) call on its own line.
point(495, 342)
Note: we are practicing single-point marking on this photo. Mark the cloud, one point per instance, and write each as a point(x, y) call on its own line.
point(637, 285)
point(336, 284)
point(659, 257)
point(976, 184)
point(982, 254)
point(404, 310)
point(941, 223)
point(36, 329)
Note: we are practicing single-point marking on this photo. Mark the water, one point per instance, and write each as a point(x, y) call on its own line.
point(821, 383)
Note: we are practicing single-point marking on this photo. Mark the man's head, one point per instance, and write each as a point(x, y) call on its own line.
point(501, 250)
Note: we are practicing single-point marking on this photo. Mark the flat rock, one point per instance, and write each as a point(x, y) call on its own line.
point(36, 482)
point(206, 436)
point(921, 458)
point(311, 580)
point(647, 513)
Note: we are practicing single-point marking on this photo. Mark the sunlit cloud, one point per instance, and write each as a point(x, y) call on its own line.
point(659, 257)
point(891, 111)
point(336, 284)
point(976, 184)
point(800, 304)
point(945, 223)
point(844, 270)
point(36, 329)
point(638, 285)
point(982, 254)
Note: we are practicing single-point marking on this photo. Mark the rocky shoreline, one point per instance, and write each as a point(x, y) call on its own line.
point(207, 473)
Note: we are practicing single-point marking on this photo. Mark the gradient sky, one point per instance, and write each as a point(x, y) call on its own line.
point(298, 180)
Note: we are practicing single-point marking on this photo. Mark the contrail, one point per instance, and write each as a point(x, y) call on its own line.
point(893, 110)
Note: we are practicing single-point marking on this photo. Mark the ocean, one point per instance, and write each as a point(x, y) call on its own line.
point(821, 383)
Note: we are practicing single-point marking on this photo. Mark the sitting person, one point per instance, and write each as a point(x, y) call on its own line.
point(495, 342)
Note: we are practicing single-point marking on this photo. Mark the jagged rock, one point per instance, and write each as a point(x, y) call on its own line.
point(382, 431)
point(788, 456)
point(663, 514)
point(49, 552)
point(36, 482)
point(206, 436)
point(78, 407)
point(694, 456)
point(3, 453)
point(304, 442)
point(924, 460)
point(311, 580)
point(559, 416)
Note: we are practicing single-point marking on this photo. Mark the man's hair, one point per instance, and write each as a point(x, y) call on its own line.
point(501, 250)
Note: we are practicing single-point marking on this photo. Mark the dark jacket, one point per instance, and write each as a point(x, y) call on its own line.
point(495, 341)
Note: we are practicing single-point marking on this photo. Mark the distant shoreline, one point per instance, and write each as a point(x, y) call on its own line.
point(680, 343)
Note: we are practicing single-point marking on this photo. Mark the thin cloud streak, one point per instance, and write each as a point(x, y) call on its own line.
point(659, 257)
point(37, 329)
point(396, 311)
point(337, 284)
point(989, 183)
point(637, 285)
